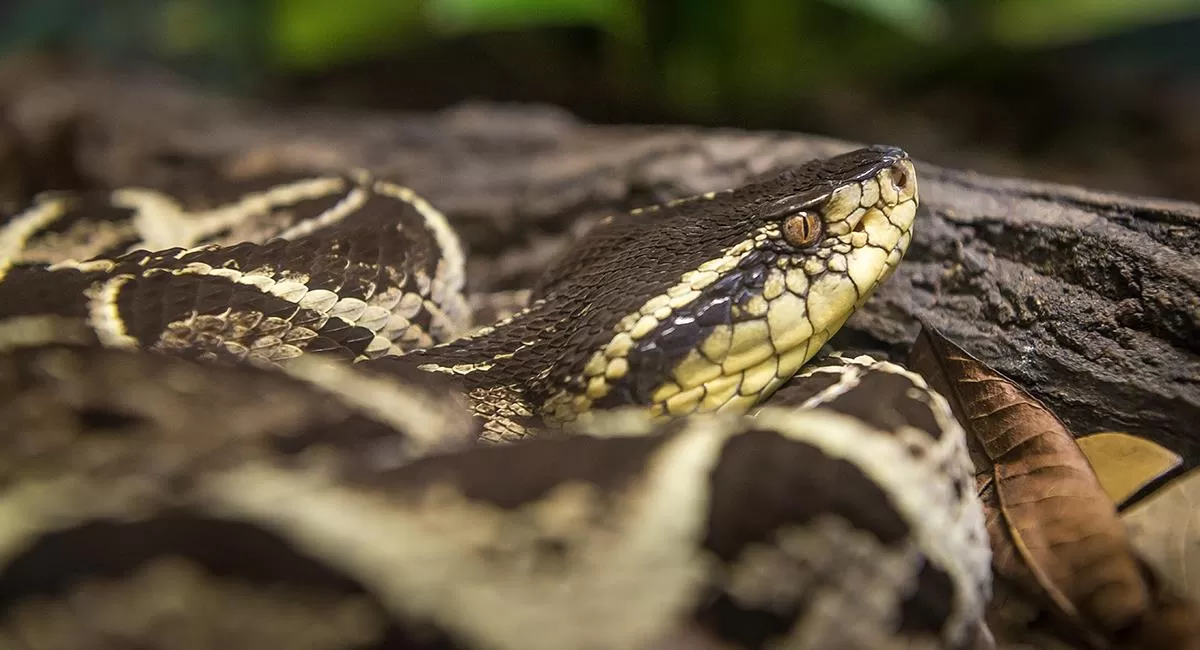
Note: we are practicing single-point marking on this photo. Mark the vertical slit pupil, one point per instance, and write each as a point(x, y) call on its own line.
point(800, 229)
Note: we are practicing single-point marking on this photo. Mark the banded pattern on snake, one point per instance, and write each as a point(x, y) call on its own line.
point(271, 422)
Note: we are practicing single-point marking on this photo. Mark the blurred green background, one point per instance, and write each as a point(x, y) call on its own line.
point(1098, 92)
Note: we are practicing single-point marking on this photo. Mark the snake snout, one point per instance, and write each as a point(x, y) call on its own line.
point(900, 177)
point(898, 183)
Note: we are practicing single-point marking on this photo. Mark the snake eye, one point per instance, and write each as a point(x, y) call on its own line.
point(802, 229)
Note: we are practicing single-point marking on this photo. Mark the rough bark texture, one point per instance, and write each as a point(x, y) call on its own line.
point(1090, 300)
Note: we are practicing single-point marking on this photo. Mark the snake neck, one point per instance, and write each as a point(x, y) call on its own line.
point(511, 370)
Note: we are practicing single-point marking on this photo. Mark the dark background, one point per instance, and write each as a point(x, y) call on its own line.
point(1100, 93)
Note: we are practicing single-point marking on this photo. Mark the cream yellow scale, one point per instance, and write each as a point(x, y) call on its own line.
point(151, 501)
point(798, 310)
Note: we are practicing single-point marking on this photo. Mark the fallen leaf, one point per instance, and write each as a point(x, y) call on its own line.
point(1054, 530)
point(1126, 463)
point(1165, 528)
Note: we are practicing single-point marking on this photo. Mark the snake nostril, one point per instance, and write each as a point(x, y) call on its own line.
point(899, 177)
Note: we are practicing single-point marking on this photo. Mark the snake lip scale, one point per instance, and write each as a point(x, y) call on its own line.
point(271, 420)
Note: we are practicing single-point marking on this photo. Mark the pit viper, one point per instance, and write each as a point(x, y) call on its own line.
point(273, 421)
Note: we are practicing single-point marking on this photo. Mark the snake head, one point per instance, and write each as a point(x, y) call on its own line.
point(726, 295)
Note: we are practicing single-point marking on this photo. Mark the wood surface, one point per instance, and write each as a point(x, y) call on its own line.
point(1088, 299)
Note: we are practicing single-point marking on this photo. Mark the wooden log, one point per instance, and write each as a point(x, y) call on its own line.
point(1091, 300)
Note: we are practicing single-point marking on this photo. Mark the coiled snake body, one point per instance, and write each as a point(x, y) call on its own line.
point(269, 423)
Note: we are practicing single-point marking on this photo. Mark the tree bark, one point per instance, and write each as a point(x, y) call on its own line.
point(1090, 300)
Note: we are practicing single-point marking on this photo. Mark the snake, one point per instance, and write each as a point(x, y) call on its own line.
point(279, 418)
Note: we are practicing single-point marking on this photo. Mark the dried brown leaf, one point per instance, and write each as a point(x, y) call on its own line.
point(1054, 530)
point(1165, 528)
point(1126, 463)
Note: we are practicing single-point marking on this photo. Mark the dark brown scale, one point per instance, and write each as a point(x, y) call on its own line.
point(381, 239)
point(654, 356)
point(218, 191)
point(48, 396)
point(212, 193)
point(881, 399)
point(226, 550)
point(82, 211)
point(150, 304)
point(616, 267)
point(381, 245)
point(759, 467)
point(259, 228)
point(799, 390)
point(930, 604)
point(30, 291)
point(790, 484)
point(102, 549)
point(485, 474)
point(754, 483)
point(88, 207)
